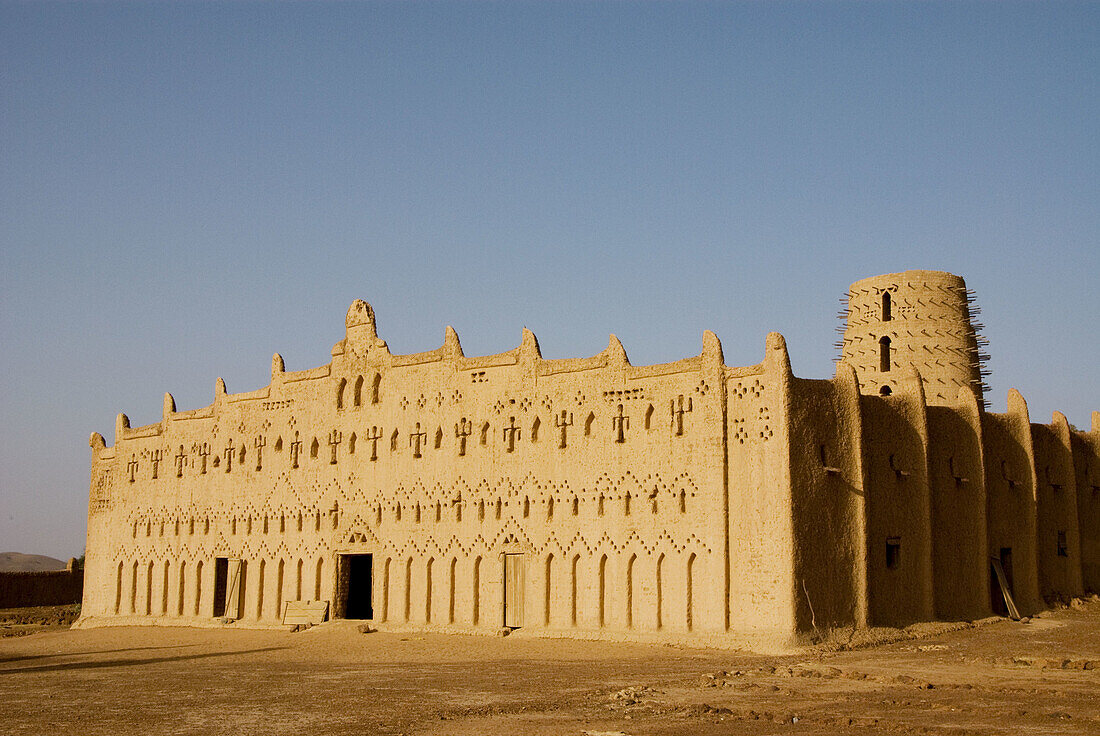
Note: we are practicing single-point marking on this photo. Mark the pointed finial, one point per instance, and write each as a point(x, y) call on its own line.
point(529, 345)
point(451, 344)
point(1016, 403)
point(615, 351)
point(968, 398)
point(847, 384)
point(775, 352)
point(219, 388)
point(169, 405)
point(361, 338)
point(912, 383)
point(96, 442)
point(122, 423)
point(712, 348)
point(359, 313)
point(277, 365)
point(360, 325)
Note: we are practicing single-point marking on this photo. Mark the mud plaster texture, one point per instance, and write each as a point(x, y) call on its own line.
point(688, 502)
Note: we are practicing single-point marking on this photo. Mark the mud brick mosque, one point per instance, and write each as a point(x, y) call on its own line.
point(589, 497)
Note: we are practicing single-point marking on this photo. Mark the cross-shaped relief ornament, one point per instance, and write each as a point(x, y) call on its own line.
point(620, 423)
point(204, 452)
point(374, 436)
point(563, 423)
point(334, 440)
point(511, 434)
point(295, 449)
point(416, 438)
point(181, 457)
point(156, 456)
point(676, 406)
point(463, 429)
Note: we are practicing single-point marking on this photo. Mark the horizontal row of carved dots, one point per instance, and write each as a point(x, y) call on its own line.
point(416, 513)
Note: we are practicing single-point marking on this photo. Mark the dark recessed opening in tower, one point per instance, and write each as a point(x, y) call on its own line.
point(884, 354)
point(893, 552)
point(885, 391)
point(886, 316)
point(355, 578)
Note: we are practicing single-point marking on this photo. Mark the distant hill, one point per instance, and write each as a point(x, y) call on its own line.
point(19, 562)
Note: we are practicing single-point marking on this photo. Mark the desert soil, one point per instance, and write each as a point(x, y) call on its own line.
point(24, 621)
point(1039, 677)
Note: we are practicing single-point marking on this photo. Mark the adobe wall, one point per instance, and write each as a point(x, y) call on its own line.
point(763, 592)
point(1010, 497)
point(827, 502)
point(610, 479)
point(898, 505)
point(1086, 465)
point(960, 560)
point(1057, 540)
point(41, 588)
point(687, 501)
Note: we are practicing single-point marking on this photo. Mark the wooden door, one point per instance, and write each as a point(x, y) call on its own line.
point(513, 590)
point(234, 581)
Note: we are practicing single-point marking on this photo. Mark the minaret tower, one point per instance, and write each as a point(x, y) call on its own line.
point(914, 318)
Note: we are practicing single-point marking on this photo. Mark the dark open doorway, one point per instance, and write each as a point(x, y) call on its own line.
point(228, 587)
point(355, 585)
point(221, 574)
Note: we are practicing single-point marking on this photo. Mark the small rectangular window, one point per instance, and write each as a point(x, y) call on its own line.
point(1063, 547)
point(893, 552)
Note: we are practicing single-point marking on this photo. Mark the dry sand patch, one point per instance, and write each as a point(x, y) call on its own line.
point(1041, 677)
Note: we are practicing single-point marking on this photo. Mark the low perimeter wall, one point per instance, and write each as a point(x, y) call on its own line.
point(43, 588)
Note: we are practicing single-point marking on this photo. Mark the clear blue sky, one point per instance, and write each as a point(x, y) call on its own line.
point(187, 188)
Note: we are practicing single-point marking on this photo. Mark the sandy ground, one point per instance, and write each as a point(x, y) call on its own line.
point(23, 621)
point(1040, 677)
